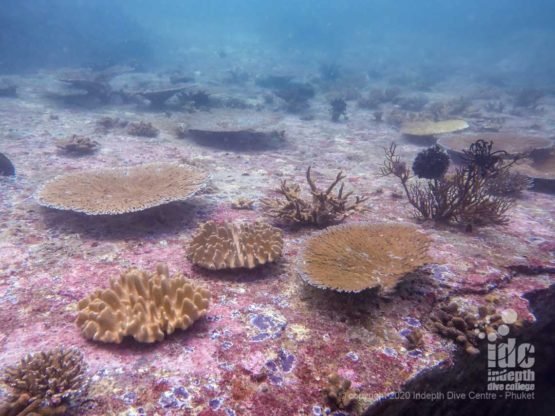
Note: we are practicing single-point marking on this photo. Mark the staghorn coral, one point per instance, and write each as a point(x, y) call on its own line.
point(339, 394)
point(324, 208)
point(121, 190)
point(462, 197)
point(142, 129)
point(235, 245)
point(78, 145)
point(142, 305)
point(355, 257)
point(46, 383)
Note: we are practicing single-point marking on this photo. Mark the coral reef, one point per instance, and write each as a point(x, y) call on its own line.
point(46, 383)
point(339, 394)
point(78, 145)
point(541, 170)
point(528, 98)
point(431, 163)
point(141, 305)
point(322, 209)
point(121, 190)
point(6, 166)
point(338, 109)
point(142, 129)
point(235, 245)
point(461, 197)
point(356, 257)
point(432, 128)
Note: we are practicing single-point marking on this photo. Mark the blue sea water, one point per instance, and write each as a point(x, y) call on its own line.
point(510, 39)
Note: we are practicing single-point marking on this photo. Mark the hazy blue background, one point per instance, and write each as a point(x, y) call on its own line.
point(515, 38)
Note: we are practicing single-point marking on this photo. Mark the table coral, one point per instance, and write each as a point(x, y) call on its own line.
point(352, 258)
point(120, 190)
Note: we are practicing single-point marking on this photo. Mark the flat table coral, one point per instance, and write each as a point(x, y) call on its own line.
point(235, 245)
point(355, 257)
point(142, 305)
point(120, 190)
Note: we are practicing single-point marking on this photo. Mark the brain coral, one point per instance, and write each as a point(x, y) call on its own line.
point(120, 190)
point(144, 306)
point(352, 258)
point(234, 245)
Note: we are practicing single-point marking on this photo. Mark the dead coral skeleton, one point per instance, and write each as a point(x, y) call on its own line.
point(462, 197)
point(46, 383)
point(142, 129)
point(323, 209)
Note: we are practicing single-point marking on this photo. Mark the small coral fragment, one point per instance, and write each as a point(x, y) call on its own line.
point(46, 383)
point(339, 394)
point(142, 305)
point(235, 245)
point(142, 129)
point(323, 209)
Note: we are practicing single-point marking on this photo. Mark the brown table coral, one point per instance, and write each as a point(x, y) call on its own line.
point(355, 257)
point(323, 209)
point(235, 245)
point(120, 190)
point(46, 383)
point(142, 305)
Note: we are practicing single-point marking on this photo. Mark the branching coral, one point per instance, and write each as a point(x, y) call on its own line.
point(78, 145)
point(235, 245)
point(142, 305)
point(46, 383)
point(352, 258)
point(323, 209)
point(142, 129)
point(462, 197)
point(121, 190)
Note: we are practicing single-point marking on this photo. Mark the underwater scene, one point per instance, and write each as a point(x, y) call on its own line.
point(277, 208)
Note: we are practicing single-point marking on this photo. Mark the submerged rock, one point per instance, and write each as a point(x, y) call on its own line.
point(6, 166)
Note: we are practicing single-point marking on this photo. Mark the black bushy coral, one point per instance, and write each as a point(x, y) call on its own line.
point(431, 163)
point(463, 197)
